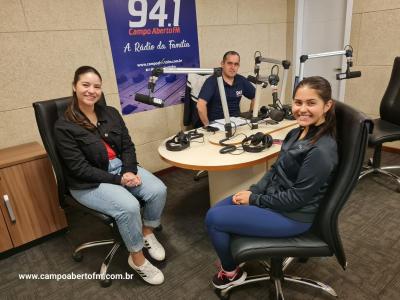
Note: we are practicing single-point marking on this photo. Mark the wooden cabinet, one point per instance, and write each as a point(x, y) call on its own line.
point(5, 239)
point(29, 206)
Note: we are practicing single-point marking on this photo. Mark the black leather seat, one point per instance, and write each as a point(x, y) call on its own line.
point(323, 238)
point(387, 127)
point(47, 113)
point(190, 114)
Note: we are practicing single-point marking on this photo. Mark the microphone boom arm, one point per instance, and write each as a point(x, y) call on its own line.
point(258, 60)
point(348, 52)
point(216, 71)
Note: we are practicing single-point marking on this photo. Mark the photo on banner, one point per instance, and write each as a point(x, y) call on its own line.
point(147, 34)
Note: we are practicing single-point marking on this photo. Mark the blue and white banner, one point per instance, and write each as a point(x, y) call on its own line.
point(145, 34)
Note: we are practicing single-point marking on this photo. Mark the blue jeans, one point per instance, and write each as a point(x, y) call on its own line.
point(122, 203)
point(226, 218)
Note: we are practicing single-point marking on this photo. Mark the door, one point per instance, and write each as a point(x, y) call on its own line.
point(5, 240)
point(322, 26)
point(33, 210)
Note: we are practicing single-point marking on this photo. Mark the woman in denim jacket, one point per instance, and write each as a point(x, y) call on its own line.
point(103, 173)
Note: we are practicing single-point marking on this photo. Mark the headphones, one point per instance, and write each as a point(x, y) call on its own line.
point(182, 140)
point(273, 78)
point(288, 112)
point(263, 113)
point(275, 114)
point(257, 142)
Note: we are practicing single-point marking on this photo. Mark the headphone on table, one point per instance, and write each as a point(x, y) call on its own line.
point(263, 112)
point(257, 142)
point(275, 114)
point(182, 140)
point(288, 112)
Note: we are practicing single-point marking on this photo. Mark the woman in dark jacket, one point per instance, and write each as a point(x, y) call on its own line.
point(285, 201)
point(103, 173)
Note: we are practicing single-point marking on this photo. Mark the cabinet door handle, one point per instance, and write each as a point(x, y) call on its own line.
point(9, 208)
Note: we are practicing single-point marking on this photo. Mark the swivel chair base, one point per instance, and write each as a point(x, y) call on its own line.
point(78, 256)
point(274, 273)
point(381, 170)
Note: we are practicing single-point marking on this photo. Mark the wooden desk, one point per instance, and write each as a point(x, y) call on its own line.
point(227, 173)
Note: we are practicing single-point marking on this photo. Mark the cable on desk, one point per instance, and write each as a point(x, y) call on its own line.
point(230, 148)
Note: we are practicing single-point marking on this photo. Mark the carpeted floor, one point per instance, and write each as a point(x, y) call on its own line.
point(369, 224)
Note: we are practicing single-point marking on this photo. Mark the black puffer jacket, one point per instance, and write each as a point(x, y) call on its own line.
point(84, 153)
point(299, 178)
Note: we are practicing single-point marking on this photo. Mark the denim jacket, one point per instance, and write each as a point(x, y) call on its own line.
point(299, 178)
point(83, 151)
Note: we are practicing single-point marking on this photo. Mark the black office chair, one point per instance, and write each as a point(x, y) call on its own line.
point(193, 86)
point(47, 113)
point(190, 115)
point(323, 238)
point(387, 127)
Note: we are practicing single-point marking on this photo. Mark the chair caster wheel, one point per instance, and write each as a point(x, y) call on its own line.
point(222, 296)
point(77, 256)
point(105, 283)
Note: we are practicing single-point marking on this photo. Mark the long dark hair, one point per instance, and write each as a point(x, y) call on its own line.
point(73, 113)
point(323, 88)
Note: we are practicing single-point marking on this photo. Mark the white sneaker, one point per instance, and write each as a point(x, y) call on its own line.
point(147, 272)
point(153, 246)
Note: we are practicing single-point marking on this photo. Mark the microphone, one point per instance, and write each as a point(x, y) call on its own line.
point(149, 100)
point(348, 75)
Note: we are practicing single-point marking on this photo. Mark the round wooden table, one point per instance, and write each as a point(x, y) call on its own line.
point(228, 173)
